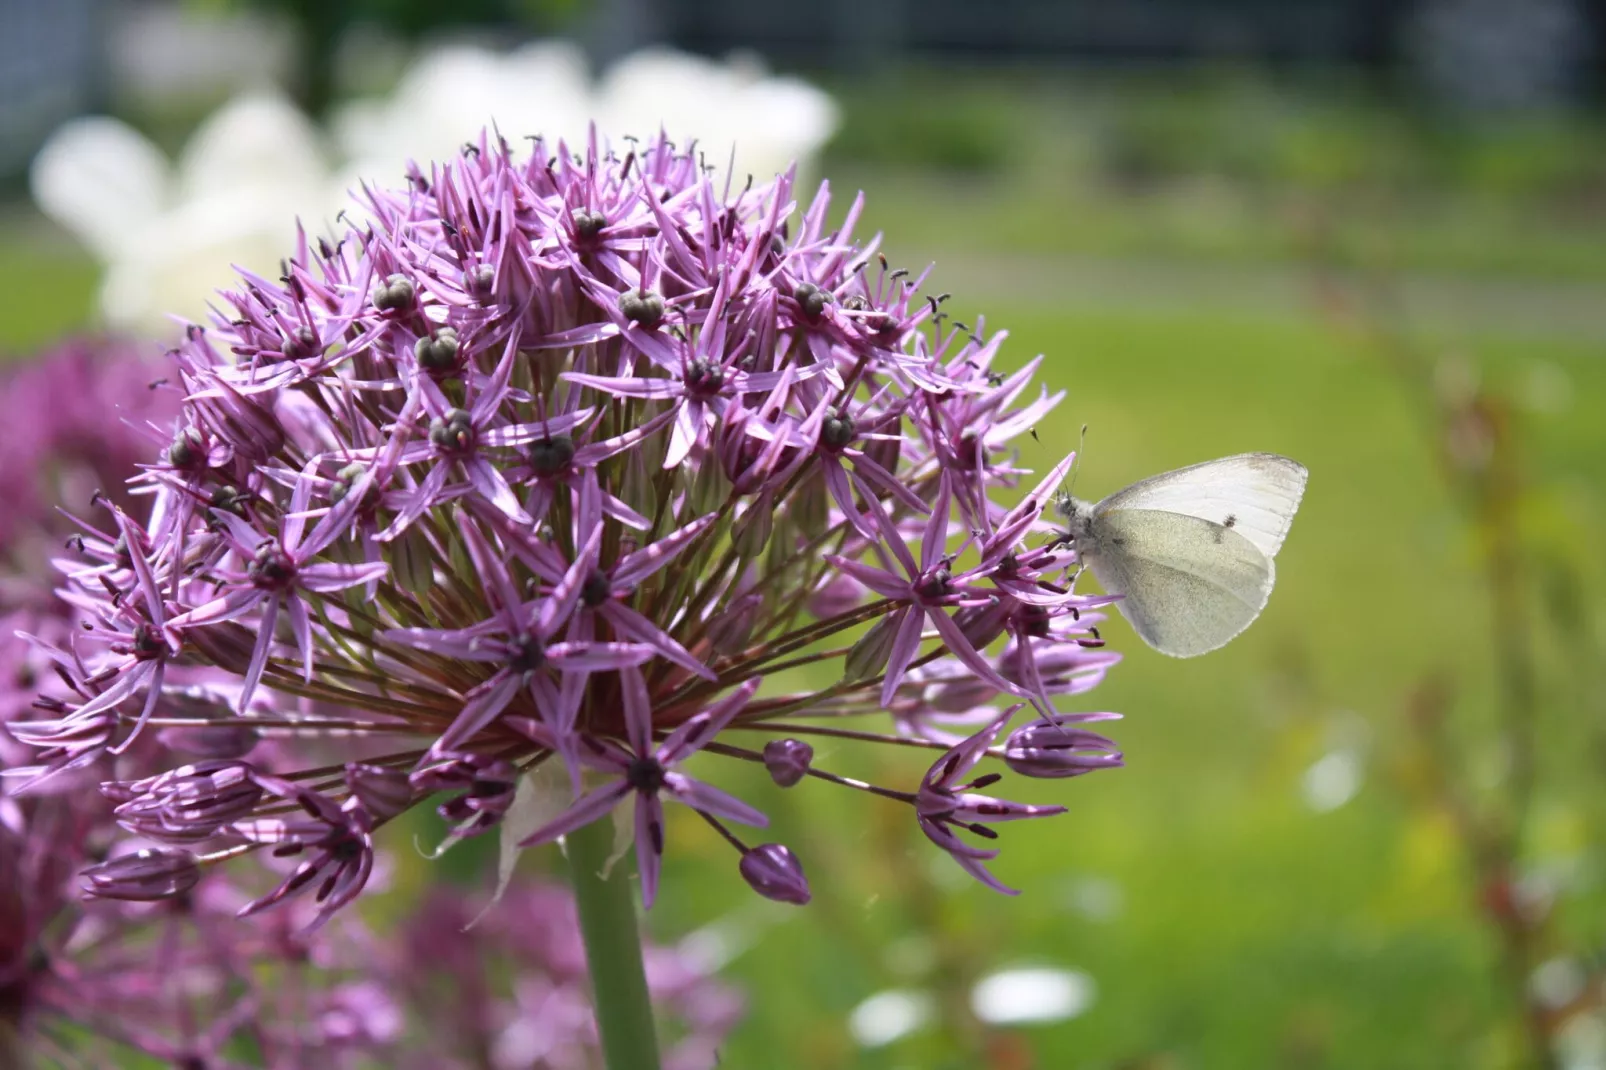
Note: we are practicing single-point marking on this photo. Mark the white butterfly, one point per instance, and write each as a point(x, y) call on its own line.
point(1190, 550)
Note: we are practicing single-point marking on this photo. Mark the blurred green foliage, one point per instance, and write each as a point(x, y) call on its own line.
point(1224, 921)
point(1228, 163)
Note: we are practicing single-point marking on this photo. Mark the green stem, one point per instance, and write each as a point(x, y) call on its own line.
point(613, 950)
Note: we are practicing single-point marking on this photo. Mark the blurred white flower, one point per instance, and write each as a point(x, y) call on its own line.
point(769, 121)
point(890, 1016)
point(546, 88)
point(451, 92)
point(169, 235)
point(1031, 995)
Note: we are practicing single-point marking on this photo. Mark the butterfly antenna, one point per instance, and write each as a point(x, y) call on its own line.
point(1076, 465)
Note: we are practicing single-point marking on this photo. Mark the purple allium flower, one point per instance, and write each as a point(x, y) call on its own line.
point(569, 457)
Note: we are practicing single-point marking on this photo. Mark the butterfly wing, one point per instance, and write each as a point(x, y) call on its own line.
point(1190, 585)
point(1257, 492)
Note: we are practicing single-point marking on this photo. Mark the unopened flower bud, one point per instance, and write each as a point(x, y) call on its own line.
point(730, 631)
point(383, 792)
point(1055, 748)
point(212, 740)
point(787, 760)
point(774, 872)
point(154, 873)
point(869, 655)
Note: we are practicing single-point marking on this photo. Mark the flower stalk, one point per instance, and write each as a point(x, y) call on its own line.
point(612, 937)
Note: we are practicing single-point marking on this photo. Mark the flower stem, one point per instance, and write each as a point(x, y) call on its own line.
point(613, 950)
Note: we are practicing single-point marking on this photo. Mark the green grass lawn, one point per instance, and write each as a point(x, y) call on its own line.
point(1223, 921)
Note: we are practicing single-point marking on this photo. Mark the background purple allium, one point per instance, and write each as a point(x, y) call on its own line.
point(566, 460)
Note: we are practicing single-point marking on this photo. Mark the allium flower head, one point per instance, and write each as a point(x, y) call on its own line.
point(572, 458)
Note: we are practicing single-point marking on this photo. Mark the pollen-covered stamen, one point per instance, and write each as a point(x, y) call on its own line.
point(704, 377)
point(642, 306)
point(646, 775)
point(838, 431)
point(453, 434)
point(551, 456)
point(528, 654)
point(272, 569)
point(596, 590)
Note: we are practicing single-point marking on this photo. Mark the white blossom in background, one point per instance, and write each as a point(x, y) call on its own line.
point(168, 233)
point(452, 92)
point(546, 88)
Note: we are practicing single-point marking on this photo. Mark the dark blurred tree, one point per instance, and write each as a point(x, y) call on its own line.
point(320, 25)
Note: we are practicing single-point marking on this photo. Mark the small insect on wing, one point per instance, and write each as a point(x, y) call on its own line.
point(1190, 585)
